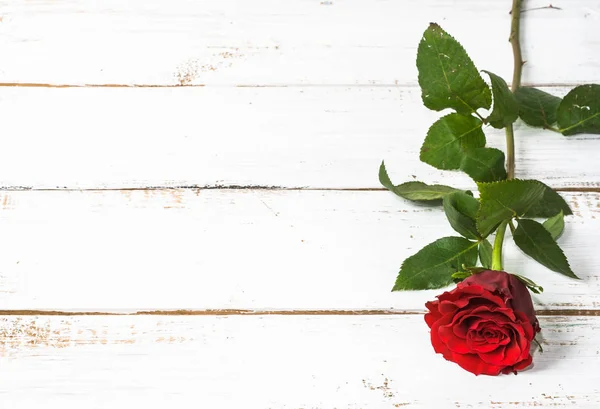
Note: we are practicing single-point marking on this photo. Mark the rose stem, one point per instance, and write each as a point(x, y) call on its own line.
point(497, 252)
point(515, 42)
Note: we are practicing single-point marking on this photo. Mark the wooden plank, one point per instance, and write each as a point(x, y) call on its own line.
point(182, 42)
point(321, 137)
point(277, 362)
point(244, 249)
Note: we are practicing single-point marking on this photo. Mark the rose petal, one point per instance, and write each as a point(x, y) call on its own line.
point(490, 280)
point(527, 326)
point(524, 363)
point(520, 336)
point(513, 353)
point(483, 348)
point(485, 324)
point(462, 325)
point(519, 366)
point(520, 300)
point(471, 295)
point(436, 342)
point(433, 315)
point(456, 299)
point(477, 343)
point(477, 315)
point(495, 357)
point(512, 290)
point(454, 343)
point(499, 315)
point(474, 364)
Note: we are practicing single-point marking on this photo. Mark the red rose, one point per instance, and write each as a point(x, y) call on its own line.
point(486, 324)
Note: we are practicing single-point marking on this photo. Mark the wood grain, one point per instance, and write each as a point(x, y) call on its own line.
point(124, 251)
point(277, 362)
point(309, 137)
point(268, 42)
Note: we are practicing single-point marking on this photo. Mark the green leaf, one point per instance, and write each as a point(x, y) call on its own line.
point(447, 76)
point(507, 199)
point(536, 242)
point(550, 204)
point(485, 253)
point(555, 225)
point(506, 108)
point(579, 111)
point(461, 210)
point(484, 164)
point(416, 191)
point(504, 200)
point(433, 266)
point(536, 107)
point(449, 138)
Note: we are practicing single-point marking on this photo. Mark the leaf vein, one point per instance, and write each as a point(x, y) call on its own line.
point(445, 261)
point(542, 252)
point(458, 138)
point(580, 122)
point(448, 83)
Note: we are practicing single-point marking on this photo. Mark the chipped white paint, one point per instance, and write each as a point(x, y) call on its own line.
point(325, 137)
point(277, 362)
point(272, 42)
point(212, 249)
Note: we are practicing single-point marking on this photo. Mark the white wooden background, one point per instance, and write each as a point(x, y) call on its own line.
point(190, 212)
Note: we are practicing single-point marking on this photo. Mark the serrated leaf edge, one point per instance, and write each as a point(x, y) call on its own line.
point(508, 181)
point(476, 159)
point(473, 244)
point(573, 275)
point(486, 90)
point(458, 138)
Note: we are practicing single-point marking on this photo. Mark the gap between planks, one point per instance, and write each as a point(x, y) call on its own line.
point(221, 312)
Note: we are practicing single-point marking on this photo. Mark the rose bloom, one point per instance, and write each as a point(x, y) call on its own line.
point(486, 324)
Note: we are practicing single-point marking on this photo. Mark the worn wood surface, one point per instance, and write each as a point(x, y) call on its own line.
point(316, 137)
point(121, 122)
point(276, 362)
point(134, 250)
point(269, 42)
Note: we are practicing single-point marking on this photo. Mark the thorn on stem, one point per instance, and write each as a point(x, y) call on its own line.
point(549, 6)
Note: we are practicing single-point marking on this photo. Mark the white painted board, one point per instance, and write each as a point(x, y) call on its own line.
point(269, 42)
point(245, 249)
point(316, 137)
point(276, 362)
